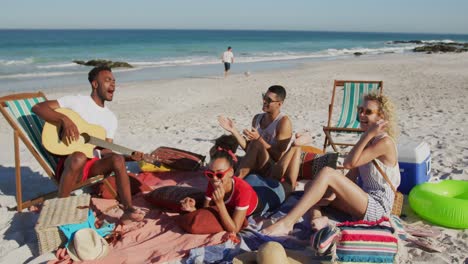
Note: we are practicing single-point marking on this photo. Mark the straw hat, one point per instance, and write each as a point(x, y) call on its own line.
point(273, 253)
point(87, 245)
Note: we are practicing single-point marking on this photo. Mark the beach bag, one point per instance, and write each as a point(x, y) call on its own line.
point(366, 241)
point(178, 159)
point(55, 213)
point(398, 200)
point(358, 242)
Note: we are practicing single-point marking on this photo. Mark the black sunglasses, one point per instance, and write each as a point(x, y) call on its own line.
point(267, 99)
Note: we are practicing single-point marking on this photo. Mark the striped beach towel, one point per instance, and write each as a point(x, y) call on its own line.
point(352, 98)
point(366, 241)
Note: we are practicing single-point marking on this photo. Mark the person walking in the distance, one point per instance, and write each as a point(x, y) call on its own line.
point(228, 59)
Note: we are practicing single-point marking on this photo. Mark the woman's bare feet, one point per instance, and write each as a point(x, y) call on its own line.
point(319, 223)
point(279, 228)
point(132, 214)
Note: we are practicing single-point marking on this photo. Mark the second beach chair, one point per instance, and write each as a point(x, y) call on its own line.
point(348, 121)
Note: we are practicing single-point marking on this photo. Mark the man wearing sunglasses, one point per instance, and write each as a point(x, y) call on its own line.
point(268, 139)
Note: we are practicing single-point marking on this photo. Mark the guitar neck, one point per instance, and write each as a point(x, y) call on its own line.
point(104, 144)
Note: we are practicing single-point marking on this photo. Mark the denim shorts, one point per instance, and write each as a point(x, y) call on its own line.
point(271, 193)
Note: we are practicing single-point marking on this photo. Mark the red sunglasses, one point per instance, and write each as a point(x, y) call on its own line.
point(211, 174)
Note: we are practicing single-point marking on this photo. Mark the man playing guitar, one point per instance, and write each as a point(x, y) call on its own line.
point(77, 167)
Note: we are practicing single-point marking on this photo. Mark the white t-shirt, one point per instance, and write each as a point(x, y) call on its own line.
point(228, 56)
point(91, 112)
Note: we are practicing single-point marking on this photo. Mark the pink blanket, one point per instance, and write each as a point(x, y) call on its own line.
point(158, 238)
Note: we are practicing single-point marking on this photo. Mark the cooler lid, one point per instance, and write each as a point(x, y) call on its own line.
point(412, 150)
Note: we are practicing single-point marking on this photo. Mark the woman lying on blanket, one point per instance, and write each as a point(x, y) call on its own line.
point(234, 198)
point(375, 197)
point(270, 191)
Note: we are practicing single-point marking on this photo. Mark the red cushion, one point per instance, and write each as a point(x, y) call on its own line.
point(169, 197)
point(202, 221)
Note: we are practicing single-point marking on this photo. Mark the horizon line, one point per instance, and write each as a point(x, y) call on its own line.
point(214, 29)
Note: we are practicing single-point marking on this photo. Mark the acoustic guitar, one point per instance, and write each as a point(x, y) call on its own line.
point(91, 136)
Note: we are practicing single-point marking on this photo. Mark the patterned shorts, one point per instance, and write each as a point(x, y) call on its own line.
point(375, 209)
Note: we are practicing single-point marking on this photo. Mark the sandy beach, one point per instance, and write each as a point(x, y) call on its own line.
point(429, 91)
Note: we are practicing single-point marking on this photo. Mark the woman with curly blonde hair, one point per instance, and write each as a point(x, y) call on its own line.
point(388, 111)
point(374, 197)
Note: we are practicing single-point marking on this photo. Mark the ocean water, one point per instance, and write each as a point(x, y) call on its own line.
point(33, 59)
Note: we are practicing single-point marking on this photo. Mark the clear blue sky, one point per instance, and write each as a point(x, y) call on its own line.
point(441, 16)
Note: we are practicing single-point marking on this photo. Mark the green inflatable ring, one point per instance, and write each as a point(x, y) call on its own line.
point(443, 203)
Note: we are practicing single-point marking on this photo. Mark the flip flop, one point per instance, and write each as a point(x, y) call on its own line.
point(426, 243)
point(421, 230)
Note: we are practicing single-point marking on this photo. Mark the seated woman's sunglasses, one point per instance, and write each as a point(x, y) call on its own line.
point(211, 174)
point(367, 111)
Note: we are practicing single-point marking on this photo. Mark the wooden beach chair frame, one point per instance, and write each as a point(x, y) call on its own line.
point(44, 158)
point(359, 88)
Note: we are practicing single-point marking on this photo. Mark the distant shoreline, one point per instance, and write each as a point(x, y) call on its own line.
point(136, 75)
point(132, 77)
point(45, 58)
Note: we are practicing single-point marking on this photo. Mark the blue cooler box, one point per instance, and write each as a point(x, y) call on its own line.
point(414, 159)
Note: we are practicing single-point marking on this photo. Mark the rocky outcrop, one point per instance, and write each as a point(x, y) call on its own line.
point(358, 53)
point(435, 46)
point(443, 47)
point(110, 64)
point(406, 42)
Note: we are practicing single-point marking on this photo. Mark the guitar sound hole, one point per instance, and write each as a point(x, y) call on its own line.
point(85, 137)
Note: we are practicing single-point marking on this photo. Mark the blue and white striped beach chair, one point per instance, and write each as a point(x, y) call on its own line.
point(27, 126)
point(348, 121)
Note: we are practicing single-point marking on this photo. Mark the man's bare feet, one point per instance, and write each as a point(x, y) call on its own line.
point(319, 223)
point(277, 229)
point(132, 214)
